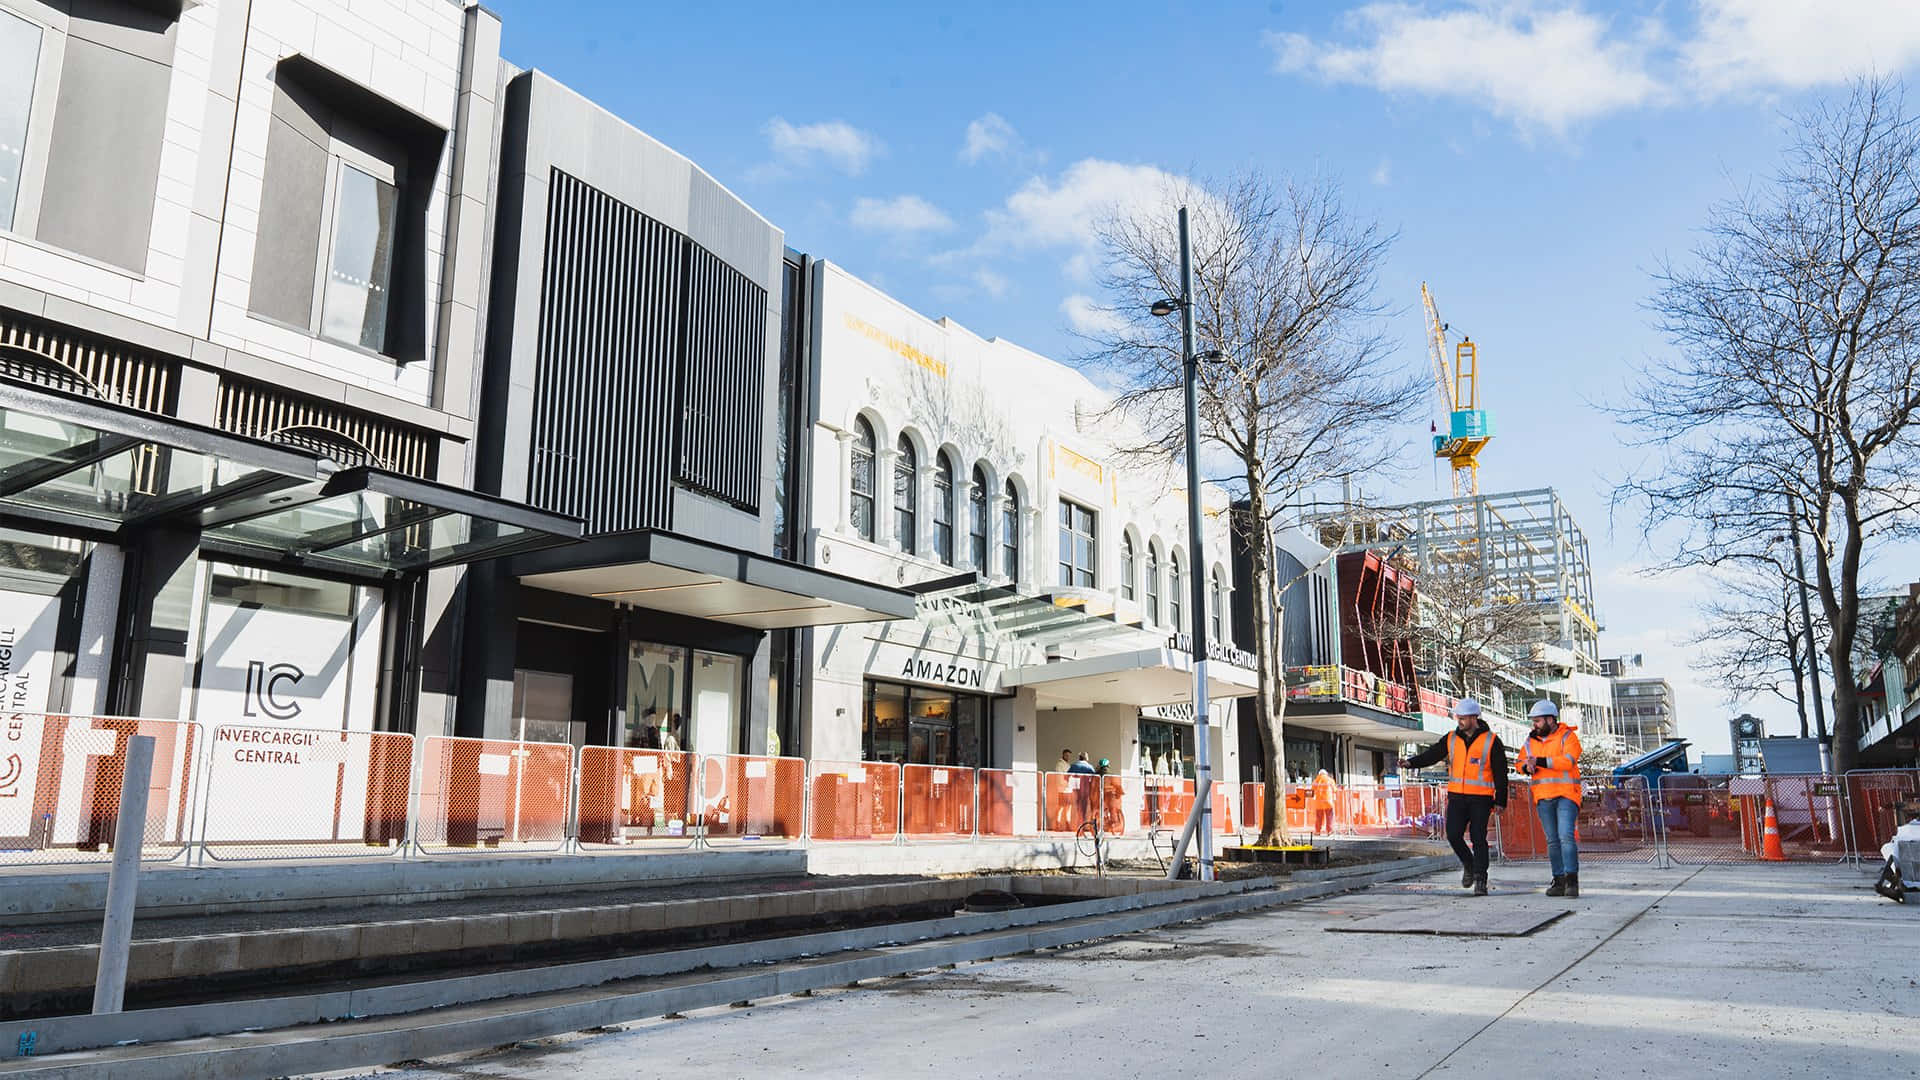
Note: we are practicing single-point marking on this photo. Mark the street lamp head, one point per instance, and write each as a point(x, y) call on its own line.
point(1164, 308)
point(1210, 356)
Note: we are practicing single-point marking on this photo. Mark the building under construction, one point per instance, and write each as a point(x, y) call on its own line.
point(1527, 549)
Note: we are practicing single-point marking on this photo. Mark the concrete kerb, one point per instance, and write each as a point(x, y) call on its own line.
point(275, 1044)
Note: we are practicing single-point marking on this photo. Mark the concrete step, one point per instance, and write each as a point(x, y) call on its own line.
point(277, 1037)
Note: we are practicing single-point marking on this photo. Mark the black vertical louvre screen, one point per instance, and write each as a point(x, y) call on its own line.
point(724, 381)
point(610, 335)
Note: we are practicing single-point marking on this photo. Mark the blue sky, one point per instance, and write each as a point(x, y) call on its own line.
point(1538, 160)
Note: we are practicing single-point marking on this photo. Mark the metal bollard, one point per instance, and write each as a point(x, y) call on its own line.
point(123, 881)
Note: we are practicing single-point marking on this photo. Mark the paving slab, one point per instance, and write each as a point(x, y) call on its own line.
point(1766, 971)
point(1484, 920)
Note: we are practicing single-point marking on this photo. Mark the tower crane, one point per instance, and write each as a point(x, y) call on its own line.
point(1468, 427)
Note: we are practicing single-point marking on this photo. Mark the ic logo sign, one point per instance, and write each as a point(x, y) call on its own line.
point(264, 694)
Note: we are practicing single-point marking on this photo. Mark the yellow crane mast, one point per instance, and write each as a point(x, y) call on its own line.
point(1469, 429)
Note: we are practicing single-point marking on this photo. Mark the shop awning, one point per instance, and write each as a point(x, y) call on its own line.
point(663, 571)
point(1359, 721)
point(972, 605)
point(101, 469)
point(1142, 677)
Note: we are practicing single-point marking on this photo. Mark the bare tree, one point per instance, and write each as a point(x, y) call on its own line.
point(1751, 643)
point(1305, 393)
point(1795, 372)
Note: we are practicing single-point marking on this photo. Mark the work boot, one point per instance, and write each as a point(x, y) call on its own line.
point(1573, 886)
point(1559, 886)
point(1479, 884)
point(1466, 878)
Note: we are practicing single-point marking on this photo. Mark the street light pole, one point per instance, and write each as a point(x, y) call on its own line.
point(1196, 563)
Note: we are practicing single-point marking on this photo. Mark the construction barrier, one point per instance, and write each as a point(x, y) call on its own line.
point(855, 800)
point(999, 795)
point(1165, 801)
point(60, 779)
point(1067, 801)
point(937, 801)
point(305, 793)
point(752, 798)
point(631, 796)
point(1874, 798)
point(493, 795)
point(1811, 814)
point(1616, 823)
point(1388, 811)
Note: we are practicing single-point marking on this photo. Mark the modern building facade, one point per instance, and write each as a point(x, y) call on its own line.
point(1051, 571)
point(640, 316)
point(243, 252)
point(1643, 706)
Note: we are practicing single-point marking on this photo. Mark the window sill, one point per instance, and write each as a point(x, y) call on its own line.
point(332, 343)
point(25, 241)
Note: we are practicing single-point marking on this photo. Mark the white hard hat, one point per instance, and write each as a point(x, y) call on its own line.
point(1466, 707)
point(1543, 707)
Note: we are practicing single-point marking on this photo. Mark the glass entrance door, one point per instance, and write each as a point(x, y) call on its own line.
point(930, 744)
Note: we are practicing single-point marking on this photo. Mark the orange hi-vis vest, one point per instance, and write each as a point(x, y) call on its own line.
point(1470, 765)
point(1561, 777)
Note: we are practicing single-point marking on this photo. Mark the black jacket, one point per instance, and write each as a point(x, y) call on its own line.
point(1437, 753)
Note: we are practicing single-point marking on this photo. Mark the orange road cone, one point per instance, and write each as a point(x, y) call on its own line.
point(1770, 838)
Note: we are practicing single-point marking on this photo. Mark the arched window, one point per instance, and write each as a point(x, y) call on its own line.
point(863, 479)
point(1010, 535)
point(1219, 605)
point(1153, 585)
point(1175, 588)
point(977, 520)
point(906, 495)
point(943, 507)
point(1126, 566)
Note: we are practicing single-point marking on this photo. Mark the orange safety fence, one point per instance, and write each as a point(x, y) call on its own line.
point(1874, 799)
point(1006, 798)
point(1252, 808)
point(630, 795)
point(855, 800)
point(1165, 801)
point(1067, 802)
point(493, 794)
point(752, 797)
point(1810, 814)
point(1616, 822)
point(304, 793)
point(938, 801)
point(60, 779)
point(1397, 811)
point(1223, 808)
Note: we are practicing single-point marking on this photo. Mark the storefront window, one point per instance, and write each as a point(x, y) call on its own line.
point(656, 681)
point(716, 704)
point(33, 571)
point(1166, 748)
point(1076, 545)
point(923, 725)
point(543, 708)
point(1305, 757)
point(283, 649)
point(885, 738)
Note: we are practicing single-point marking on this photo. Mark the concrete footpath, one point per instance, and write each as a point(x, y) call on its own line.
point(1752, 971)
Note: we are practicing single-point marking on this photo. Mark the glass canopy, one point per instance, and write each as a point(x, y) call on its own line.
point(68, 461)
point(971, 606)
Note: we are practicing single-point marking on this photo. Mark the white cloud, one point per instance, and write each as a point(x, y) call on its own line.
point(1745, 45)
point(988, 136)
point(1065, 212)
point(1542, 69)
point(839, 143)
point(994, 285)
point(1087, 316)
point(903, 213)
point(1550, 65)
point(1382, 173)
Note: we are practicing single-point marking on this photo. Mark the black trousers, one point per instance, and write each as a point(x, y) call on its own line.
point(1467, 815)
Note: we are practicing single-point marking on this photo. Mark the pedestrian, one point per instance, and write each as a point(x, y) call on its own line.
point(1081, 766)
point(1324, 790)
point(1476, 787)
point(1552, 761)
point(1083, 790)
point(1065, 764)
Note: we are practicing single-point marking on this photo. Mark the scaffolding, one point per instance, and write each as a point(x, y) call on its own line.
point(1524, 544)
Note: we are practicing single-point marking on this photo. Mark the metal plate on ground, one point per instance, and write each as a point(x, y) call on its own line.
point(1464, 920)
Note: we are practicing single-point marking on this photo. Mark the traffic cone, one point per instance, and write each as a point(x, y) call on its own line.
point(1770, 838)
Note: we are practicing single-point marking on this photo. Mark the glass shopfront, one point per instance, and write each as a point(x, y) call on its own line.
point(921, 725)
point(1166, 748)
point(35, 571)
point(1305, 757)
point(285, 650)
point(680, 698)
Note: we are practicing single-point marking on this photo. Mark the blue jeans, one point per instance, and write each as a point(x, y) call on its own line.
point(1557, 817)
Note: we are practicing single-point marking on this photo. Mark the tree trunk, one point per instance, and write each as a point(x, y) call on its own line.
point(1270, 694)
point(1842, 602)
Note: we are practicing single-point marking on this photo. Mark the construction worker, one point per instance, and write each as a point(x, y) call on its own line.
point(1323, 792)
point(1476, 787)
point(1552, 761)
